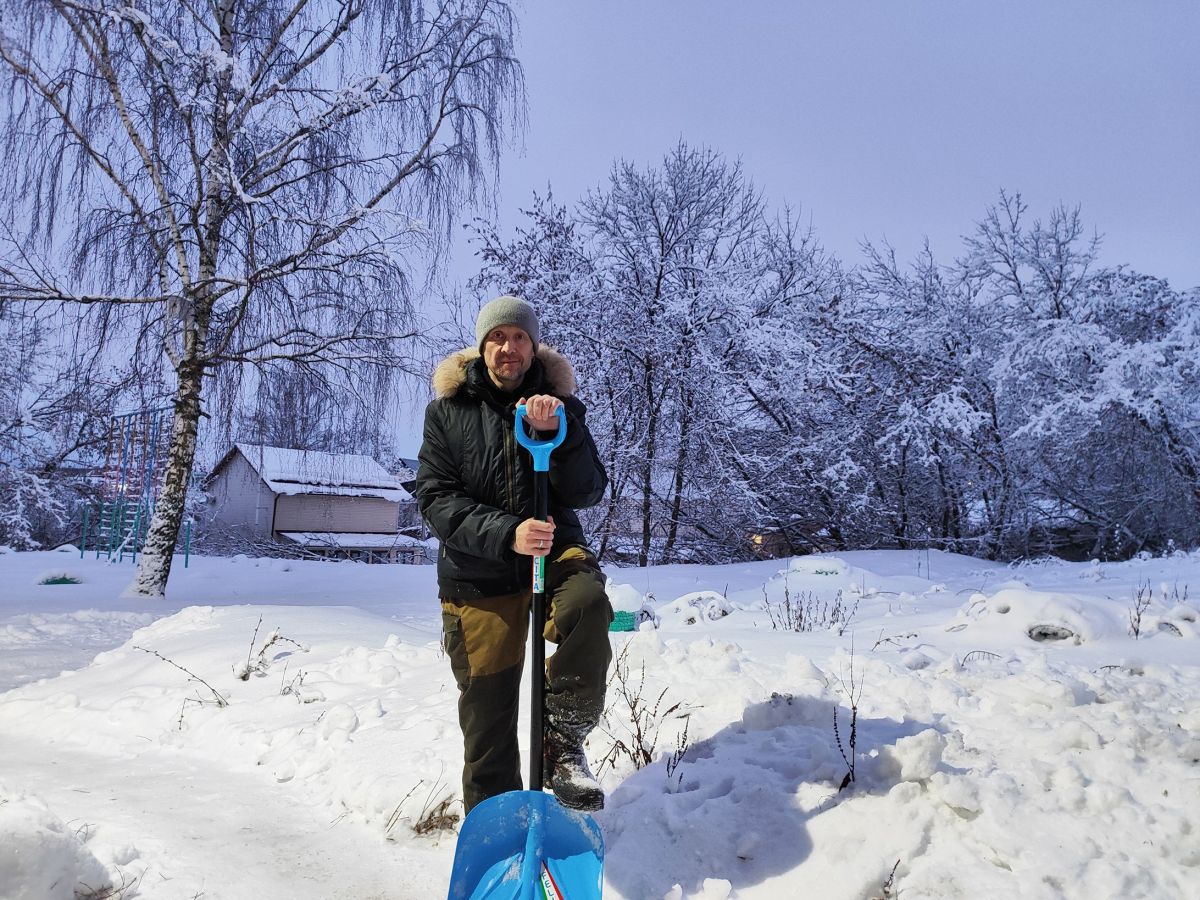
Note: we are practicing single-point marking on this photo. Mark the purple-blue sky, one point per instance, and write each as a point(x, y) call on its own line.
point(890, 120)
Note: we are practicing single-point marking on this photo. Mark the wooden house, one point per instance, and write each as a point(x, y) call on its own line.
point(333, 504)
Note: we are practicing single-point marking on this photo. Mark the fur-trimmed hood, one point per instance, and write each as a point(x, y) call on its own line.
point(451, 372)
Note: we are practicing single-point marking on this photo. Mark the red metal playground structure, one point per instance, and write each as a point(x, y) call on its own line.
point(135, 457)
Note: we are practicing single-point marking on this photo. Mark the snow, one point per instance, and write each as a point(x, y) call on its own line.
point(276, 728)
point(355, 540)
point(41, 857)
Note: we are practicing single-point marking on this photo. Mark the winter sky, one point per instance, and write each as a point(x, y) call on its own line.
point(893, 120)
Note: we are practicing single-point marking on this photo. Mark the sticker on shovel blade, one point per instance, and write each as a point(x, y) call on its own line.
point(539, 574)
point(550, 890)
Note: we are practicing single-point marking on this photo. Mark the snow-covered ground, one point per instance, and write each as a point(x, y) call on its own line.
point(987, 763)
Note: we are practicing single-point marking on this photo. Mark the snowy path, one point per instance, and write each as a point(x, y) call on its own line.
point(190, 829)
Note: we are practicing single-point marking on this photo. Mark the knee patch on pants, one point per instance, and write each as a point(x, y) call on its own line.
point(485, 637)
point(576, 592)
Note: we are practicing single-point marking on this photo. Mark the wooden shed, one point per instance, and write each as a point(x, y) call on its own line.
point(334, 504)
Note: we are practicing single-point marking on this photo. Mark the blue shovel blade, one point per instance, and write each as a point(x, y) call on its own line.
point(525, 845)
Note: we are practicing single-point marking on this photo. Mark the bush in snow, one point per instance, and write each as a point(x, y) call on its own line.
point(60, 578)
point(1042, 616)
point(808, 612)
point(1176, 617)
point(887, 890)
point(634, 719)
point(1141, 602)
point(435, 816)
point(258, 665)
point(214, 696)
point(852, 688)
point(438, 817)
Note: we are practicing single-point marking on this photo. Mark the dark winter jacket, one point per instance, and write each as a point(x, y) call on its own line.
point(475, 483)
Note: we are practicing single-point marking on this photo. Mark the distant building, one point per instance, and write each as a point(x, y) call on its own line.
point(333, 504)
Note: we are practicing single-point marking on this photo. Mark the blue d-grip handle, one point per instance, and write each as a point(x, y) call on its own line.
point(541, 450)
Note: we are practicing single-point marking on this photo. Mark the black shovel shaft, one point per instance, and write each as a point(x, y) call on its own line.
point(538, 661)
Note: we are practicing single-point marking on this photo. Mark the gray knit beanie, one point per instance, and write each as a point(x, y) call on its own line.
point(506, 311)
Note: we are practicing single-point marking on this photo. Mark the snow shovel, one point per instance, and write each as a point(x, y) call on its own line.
point(525, 845)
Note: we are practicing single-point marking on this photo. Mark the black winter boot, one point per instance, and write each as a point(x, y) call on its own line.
point(566, 773)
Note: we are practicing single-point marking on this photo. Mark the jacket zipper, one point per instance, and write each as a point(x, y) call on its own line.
point(509, 474)
point(510, 453)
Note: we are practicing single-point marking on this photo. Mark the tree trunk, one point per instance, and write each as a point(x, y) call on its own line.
point(1002, 511)
point(647, 486)
point(648, 467)
point(606, 527)
point(1178, 453)
point(616, 470)
point(154, 568)
point(902, 497)
point(681, 460)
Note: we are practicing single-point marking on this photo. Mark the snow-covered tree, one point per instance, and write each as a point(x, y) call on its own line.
point(1026, 399)
point(55, 403)
point(747, 390)
point(932, 455)
point(670, 288)
point(680, 248)
point(236, 183)
point(785, 480)
point(294, 406)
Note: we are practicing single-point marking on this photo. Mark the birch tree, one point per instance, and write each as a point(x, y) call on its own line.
point(240, 182)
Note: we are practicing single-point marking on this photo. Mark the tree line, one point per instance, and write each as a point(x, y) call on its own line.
point(752, 393)
point(231, 210)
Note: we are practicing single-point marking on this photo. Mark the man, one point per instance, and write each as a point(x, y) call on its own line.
point(475, 490)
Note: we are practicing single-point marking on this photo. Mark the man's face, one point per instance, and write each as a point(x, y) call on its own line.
point(508, 354)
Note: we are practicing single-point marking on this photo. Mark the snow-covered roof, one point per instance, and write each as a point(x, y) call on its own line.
point(288, 471)
point(352, 540)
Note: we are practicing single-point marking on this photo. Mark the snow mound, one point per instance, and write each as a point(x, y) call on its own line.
point(81, 626)
point(41, 858)
point(912, 758)
point(1040, 616)
point(323, 708)
point(699, 606)
point(1180, 620)
point(817, 565)
point(783, 710)
point(626, 598)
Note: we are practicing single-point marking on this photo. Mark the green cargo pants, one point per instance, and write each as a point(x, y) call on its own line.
point(485, 640)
